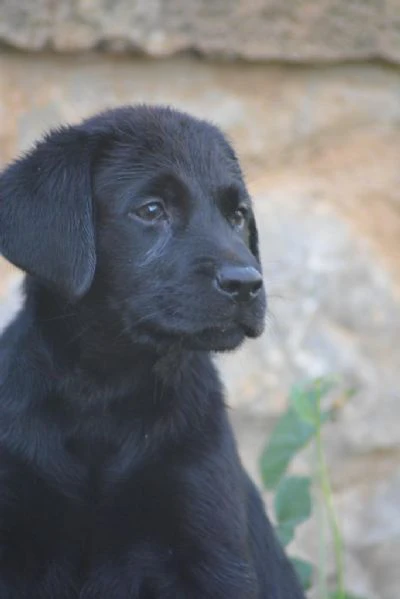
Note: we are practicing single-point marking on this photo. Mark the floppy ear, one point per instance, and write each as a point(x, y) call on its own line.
point(46, 215)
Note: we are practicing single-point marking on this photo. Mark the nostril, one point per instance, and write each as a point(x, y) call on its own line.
point(256, 287)
point(231, 287)
point(241, 283)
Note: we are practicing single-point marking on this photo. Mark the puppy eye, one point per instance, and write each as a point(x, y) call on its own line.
point(238, 219)
point(151, 212)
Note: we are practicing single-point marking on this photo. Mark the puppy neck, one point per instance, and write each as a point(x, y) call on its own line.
point(91, 342)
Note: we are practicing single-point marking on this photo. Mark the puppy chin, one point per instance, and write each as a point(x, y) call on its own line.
point(254, 330)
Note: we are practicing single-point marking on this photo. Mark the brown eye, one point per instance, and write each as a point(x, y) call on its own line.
point(239, 218)
point(151, 212)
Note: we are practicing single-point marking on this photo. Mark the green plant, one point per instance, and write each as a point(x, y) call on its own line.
point(299, 426)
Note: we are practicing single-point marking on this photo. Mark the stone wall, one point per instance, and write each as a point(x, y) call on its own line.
point(321, 149)
point(295, 30)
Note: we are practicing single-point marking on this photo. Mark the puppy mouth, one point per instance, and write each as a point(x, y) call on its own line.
point(207, 334)
point(248, 330)
point(220, 337)
point(224, 337)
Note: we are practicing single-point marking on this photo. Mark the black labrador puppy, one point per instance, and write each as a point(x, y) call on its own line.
point(119, 475)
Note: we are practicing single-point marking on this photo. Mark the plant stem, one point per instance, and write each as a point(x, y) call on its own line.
point(322, 587)
point(330, 509)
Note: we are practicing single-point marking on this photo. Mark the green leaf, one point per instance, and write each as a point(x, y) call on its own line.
point(293, 501)
point(285, 532)
point(289, 436)
point(306, 398)
point(304, 403)
point(304, 572)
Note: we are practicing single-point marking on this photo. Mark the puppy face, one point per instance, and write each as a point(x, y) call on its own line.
point(176, 234)
point(143, 211)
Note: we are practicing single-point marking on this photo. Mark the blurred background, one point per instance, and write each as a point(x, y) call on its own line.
point(309, 92)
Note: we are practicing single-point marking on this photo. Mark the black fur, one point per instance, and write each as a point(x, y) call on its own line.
point(119, 475)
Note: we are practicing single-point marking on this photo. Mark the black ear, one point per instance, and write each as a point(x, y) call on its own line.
point(46, 215)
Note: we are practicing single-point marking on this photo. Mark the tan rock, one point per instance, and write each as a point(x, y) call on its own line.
point(256, 30)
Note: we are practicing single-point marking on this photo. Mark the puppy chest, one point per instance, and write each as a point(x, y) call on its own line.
point(90, 522)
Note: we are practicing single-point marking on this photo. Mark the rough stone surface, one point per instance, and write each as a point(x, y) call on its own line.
point(292, 30)
point(321, 147)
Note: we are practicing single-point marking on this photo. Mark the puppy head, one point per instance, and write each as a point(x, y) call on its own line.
point(145, 211)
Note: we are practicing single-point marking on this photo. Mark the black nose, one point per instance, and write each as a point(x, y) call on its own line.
point(242, 283)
